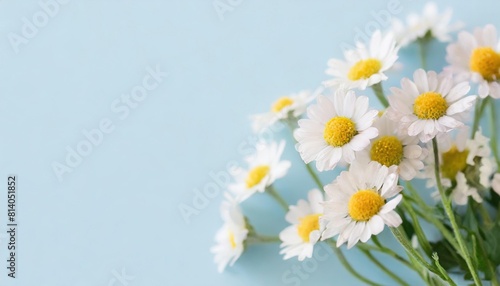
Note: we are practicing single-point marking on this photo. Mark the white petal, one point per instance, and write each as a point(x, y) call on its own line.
point(355, 234)
point(412, 151)
point(461, 105)
point(376, 224)
point(392, 219)
point(420, 78)
point(391, 205)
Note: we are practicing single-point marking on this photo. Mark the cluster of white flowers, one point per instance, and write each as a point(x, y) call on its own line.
point(378, 149)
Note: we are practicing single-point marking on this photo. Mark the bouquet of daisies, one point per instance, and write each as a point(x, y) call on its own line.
point(429, 129)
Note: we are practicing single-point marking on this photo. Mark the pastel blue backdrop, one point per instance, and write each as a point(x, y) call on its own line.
point(116, 214)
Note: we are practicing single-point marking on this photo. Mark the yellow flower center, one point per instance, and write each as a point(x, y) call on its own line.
point(387, 150)
point(454, 161)
point(256, 175)
point(486, 62)
point(364, 69)
point(232, 242)
point(308, 224)
point(281, 103)
point(339, 131)
point(364, 204)
point(430, 105)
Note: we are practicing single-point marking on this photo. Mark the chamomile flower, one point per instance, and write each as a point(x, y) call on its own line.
point(264, 167)
point(299, 238)
point(429, 105)
point(392, 148)
point(476, 57)
point(231, 237)
point(337, 127)
point(293, 105)
point(366, 64)
point(359, 203)
point(430, 23)
point(458, 158)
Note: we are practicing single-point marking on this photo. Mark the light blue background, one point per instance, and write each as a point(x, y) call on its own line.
point(119, 208)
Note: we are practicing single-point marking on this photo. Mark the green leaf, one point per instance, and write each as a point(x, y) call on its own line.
point(448, 257)
point(407, 225)
point(469, 221)
point(494, 199)
point(492, 243)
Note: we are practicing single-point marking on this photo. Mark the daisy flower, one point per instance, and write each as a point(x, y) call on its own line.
point(299, 238)
point(392, 148)
point(458, 158)
point(429, 105)
point(264, 167)
point(476, 57)
point(231, 237)
point(285, 107)
point(359, 203)
point(429, 24)
point(337, 127)
point(365, 65)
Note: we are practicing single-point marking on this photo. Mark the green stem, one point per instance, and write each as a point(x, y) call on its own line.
point(440, 226)
point(258, 238)
point(377, 242)
point(489, 267)
point(272, 191)
point(493, 131)
point(422, 46)
point(490, 270)
point(447, 277)
point(422, 239)
point(428, 215)
point(449, 212)
point(387, 251)
point(379, 92)
point(347, 265)
point(310, 170)
point(479, 109)
point(314, 177)
point(403, 240)
point(422, 272)
point(485, 216)
point(473, 183)
point(415, 196)
point(384, 269)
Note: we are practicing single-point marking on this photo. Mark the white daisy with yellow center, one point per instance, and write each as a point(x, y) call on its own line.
point(365, 65)
point(430, 22)
point(429, 105)
point(359, 203)
point(230, 239)
point(264, 167)
point(476, 57)
point(392, 148)
point(299, 238)
point(290, 106)
point(336, 128)
point(460, 157)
